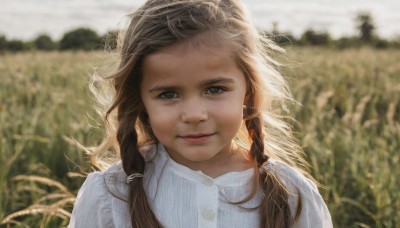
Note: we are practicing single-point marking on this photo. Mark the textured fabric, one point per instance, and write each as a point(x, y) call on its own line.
point(181, 197)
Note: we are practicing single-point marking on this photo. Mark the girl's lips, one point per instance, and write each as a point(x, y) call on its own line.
point(196, 139)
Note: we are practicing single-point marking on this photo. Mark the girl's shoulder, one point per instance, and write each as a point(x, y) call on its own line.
point(102, 199)
point(93, 204)
point(314, 212)
point(291, 177)
point(114, 177)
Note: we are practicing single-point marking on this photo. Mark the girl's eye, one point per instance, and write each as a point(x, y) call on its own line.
point(168, 95)
point(215, 90)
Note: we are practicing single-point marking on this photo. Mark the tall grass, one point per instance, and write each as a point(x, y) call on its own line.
point(349, 126)
point(43, 99)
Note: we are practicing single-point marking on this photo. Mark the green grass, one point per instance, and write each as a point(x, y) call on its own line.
point(44, 98)
point(349, 126)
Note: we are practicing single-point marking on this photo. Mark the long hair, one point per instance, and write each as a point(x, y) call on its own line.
point(265, 133)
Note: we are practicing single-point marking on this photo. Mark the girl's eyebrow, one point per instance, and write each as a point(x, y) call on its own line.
point(218, 80)
point(162, 88)
point(206, 83)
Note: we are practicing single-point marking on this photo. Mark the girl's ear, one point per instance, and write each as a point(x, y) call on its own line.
point(246, 101)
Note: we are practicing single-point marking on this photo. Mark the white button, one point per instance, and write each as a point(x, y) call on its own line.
point(209, 215)
point(208, 182)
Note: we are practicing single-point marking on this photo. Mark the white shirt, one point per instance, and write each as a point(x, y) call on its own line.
point(182, 197)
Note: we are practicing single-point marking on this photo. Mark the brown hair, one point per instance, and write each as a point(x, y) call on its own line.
point(160, 23)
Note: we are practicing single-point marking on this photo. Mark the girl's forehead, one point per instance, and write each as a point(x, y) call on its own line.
point(182, 54)
point(192, 57)
point(208, 42)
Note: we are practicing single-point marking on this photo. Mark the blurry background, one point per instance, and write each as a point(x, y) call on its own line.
point(25, 19)
point(342, 63)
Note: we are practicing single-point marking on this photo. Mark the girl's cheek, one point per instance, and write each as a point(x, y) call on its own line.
point(231, 106)
point(162, 114)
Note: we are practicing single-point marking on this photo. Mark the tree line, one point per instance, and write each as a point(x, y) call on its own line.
point(77, 39)
point(365, 29)
point(88, 39)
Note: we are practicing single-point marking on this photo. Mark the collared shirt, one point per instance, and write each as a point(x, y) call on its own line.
point(182, 197)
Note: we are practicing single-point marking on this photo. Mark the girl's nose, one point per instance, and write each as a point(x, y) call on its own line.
point(194, 112)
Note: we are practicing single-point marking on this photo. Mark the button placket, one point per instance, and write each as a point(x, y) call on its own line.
point(208, 182)
point(209, 215)
point(207, 201)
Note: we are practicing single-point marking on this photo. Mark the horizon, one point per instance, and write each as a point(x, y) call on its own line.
point(293, 16)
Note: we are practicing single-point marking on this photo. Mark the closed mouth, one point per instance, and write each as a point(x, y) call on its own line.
point(196, 138)
point(196, 135)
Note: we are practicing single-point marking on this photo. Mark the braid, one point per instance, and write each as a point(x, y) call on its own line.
point(254, 125)
point(133, 162)
point(275, 204)
point(256, 134)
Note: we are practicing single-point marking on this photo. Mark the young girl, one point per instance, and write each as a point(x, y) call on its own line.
point(196, 116)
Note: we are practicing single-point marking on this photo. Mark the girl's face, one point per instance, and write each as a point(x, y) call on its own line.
point(193, 94)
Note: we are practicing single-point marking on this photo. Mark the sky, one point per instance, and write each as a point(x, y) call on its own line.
point(25, 19)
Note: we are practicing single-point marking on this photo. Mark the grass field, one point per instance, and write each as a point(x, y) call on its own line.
point(349, 126)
